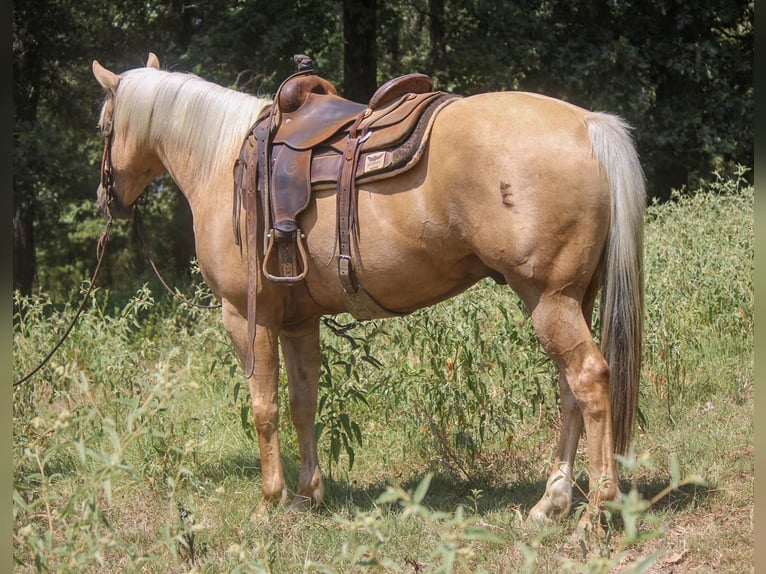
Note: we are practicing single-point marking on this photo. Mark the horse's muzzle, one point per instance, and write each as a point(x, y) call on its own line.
point(111, 206)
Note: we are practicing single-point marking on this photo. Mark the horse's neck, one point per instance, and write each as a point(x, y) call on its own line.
point(199, 140)
point(194, 168)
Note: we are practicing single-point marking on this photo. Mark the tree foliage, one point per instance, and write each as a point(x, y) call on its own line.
point(680, 72)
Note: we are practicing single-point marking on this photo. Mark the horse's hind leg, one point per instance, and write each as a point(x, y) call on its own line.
point(558, 490)
point(302, 360)
point(565, 335)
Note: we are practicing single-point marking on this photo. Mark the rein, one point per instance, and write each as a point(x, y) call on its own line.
point(103, 240)
point(107, 183)
point(141, 232)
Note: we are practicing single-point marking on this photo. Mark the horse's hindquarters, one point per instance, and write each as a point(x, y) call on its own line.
point(516, 178)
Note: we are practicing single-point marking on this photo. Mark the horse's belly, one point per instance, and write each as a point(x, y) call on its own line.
point(406, 254)
point(396, 281)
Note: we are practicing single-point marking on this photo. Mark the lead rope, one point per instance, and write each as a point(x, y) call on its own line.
point(100, 251)
point(141, 232)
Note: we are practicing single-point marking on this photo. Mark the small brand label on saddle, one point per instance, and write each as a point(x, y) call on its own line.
point(375, 161)
point(291, 166)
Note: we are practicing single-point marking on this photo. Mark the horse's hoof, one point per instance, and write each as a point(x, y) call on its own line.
point(262, 513)
point(546, 512)
point(537, 517)
point(301, 504)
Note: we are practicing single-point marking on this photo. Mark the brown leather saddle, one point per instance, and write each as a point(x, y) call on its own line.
point(309, 139)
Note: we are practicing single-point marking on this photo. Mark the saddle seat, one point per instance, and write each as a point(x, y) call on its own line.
point(317, 120)
point(312, 112)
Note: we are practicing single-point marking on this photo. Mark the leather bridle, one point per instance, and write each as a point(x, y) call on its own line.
point(107, 169)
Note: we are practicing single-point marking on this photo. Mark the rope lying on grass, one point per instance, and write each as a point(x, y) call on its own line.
point(103, 240)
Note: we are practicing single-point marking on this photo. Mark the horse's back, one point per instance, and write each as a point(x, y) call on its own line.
point(522, 124)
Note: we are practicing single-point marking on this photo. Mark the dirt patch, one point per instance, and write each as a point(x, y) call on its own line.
point(686, 545)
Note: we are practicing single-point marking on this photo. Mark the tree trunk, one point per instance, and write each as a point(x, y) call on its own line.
point(27, 87)
point(437, 34)
point(359, 49)
point(24, 258)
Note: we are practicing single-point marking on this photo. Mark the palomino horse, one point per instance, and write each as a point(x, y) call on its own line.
point(532, 191)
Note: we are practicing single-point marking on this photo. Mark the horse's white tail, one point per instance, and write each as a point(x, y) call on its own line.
point(622, 294)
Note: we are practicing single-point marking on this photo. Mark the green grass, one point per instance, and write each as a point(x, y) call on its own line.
point(133, 448)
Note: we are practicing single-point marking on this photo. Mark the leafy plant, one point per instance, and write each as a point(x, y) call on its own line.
point(341, 388)
point(472, 370)
point(698, 300)
point(458, 534)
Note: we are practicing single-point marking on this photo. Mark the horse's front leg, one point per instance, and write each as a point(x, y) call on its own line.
point(300, 346)
point(264, 395)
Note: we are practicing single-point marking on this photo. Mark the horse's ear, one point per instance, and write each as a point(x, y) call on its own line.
point(153, 61)
point(107, 79)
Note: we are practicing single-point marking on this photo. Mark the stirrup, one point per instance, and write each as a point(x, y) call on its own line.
point(299, 237)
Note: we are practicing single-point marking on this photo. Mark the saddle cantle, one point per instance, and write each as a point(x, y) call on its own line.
point(309, 139)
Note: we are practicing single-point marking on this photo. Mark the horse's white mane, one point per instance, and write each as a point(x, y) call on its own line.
point(186, 112)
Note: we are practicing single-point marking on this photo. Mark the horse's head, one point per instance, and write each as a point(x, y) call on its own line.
point(126, 168)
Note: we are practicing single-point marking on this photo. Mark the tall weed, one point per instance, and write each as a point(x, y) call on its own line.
point(471, 370)
point(102, 415)
point(699, 292)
